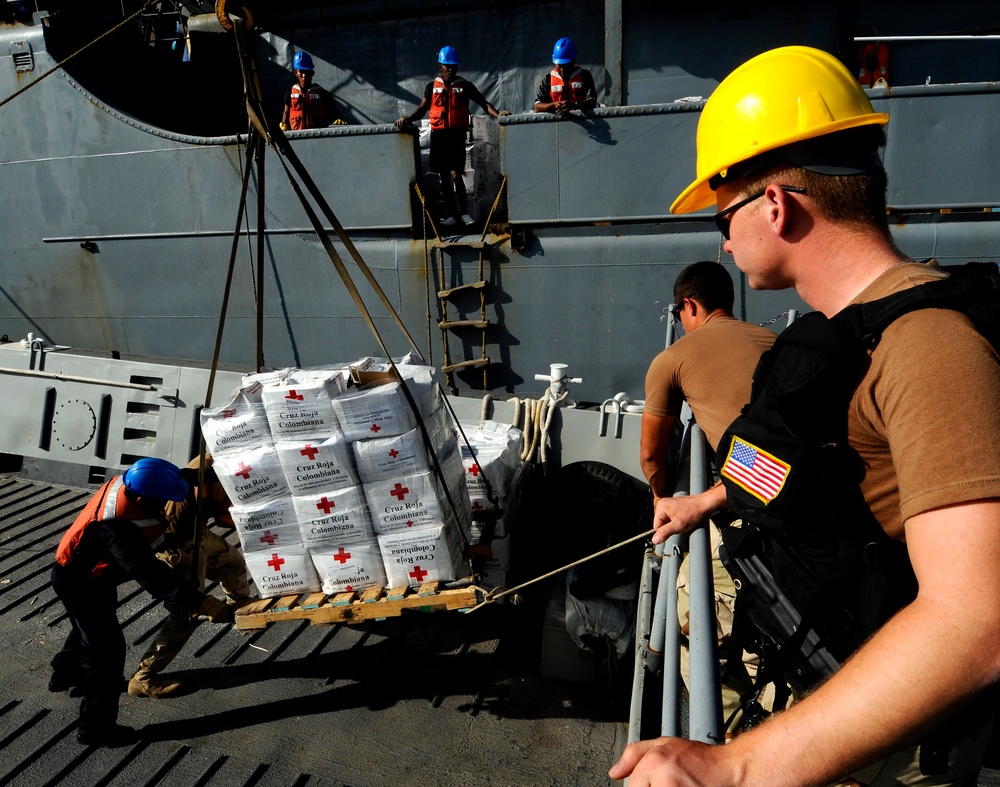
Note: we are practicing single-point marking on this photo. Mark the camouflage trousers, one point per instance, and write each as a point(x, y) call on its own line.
point(221, 563)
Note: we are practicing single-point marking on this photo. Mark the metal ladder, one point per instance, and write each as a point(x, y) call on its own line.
point(446, 324)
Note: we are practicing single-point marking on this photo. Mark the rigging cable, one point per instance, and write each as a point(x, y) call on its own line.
point(65, 60)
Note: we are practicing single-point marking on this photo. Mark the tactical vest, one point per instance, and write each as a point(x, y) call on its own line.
point(109, 502)
point(815, 573)
point(571, 89)
point(307, 108)
point(449, 105)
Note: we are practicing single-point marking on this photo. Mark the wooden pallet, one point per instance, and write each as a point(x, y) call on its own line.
point(353, 607)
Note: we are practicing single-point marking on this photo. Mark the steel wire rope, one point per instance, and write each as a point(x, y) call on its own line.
point(84, 48)
point(499, 592)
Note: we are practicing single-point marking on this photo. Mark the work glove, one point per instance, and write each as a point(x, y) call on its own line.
point(283, 126)
point(503, 113)
point(216, 611)
point(339, 122)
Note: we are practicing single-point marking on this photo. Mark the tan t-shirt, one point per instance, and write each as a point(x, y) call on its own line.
point(712, 367)
point(926, 417)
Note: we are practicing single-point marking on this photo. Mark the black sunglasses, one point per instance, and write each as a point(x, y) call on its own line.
point(724, 217)
point(675, 309)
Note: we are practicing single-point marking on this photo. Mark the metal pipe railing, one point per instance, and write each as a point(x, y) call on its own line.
point(661, 653)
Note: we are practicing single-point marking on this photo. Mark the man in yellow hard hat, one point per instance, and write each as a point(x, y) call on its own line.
point(788, 153)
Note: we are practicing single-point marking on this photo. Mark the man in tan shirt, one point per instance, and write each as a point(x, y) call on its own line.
point(711, 367)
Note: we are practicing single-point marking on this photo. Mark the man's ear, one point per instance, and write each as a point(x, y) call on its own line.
point(693, 306)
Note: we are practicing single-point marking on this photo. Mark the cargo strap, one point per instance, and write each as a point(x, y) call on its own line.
point(286, 156)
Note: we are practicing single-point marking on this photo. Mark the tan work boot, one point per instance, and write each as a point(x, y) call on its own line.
point(153, 687)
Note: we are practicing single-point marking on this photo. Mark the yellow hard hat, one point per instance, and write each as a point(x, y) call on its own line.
point(783, 96)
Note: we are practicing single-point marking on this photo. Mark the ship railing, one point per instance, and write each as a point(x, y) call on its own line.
point(658, 631)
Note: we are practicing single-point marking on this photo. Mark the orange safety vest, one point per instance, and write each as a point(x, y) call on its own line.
point(109, 502)
point(449, 105)
point(874, 68)
point(307, 109)
point(567, 90)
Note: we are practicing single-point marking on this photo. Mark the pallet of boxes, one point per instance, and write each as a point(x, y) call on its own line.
point(341, 509)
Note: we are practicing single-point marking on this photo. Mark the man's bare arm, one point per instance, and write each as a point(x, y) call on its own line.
point(925, 662)
point(654, 449)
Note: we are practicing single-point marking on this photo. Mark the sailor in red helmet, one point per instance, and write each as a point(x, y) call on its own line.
point(307, 105)
point(110, 542)
point(567, 86)
point(448, 98)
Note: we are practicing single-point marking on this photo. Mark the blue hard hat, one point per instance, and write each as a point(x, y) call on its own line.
point(448, 56)
point(302, 62)
point(151, 477)
point(563, 52)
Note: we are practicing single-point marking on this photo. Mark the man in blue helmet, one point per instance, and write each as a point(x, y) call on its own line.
point(448, 98)
point(307, 105)
point(110, 542)
point(567, 86)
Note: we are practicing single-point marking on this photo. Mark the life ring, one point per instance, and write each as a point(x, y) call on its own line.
point(224, 20)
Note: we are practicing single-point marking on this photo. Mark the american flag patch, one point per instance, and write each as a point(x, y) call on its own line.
point(756, 471)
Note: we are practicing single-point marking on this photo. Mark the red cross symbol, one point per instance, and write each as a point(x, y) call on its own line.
point(325, 505)
point(475, 470)
point(342, 556)
point(297, 396)
point(227, 413)
point(243, 470)
point(409, 523)
point(276, 562)
point(309, 451)
point(375, 428)
point(399, 491)
point(476, 506)
point(269, 537)
point(348, 589)
point(418, 573)
point(394, 453)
